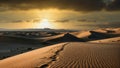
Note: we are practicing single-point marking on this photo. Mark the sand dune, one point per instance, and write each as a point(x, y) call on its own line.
point(84, 49)
point(81, 34)
point(109, 30)
point(51, 37)
point(86, 55)
point(99, 35)
point(66, 38)
point(32, 59)
point(84, 36)
point(68, 55)
point(109, 40)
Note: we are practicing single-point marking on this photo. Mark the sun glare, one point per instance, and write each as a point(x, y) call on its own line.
point(45, 24)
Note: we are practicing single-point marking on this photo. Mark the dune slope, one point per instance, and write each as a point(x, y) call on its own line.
point(109, 40)
point(32, 59)
point(88, 55)
point(68, 55)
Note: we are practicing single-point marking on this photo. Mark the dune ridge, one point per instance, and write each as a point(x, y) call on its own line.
point(84, 36)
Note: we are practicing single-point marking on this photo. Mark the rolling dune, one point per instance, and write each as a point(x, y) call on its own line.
point(109, 40)
point(66, 38)
point(68, 55)
point(32, 59)
point(87, 55)
point(84, 36)
point(85, 49)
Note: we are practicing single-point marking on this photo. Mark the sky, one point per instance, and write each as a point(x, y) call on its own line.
point(59, 14)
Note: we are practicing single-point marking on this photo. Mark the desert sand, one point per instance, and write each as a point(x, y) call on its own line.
point(86, 55)
point(32, 59)
point(68, 55)
point(109, 40)
point(83, 49)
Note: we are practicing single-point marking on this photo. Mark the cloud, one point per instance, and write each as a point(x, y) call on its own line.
point(86, 20)
point(79, 5)
point(101, 25)
point(62, 21)
point(17, 21)
point(21, 21)
point(115, 5)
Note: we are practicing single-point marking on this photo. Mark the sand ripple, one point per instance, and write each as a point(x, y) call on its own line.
point(81, 55)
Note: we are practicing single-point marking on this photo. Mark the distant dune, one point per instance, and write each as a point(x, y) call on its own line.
point(84, 36)
point(109, 40)
point(66, 38)
point(98, 48)
point(99, 35)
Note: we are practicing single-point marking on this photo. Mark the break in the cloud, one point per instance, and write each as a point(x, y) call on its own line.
point(82, 5)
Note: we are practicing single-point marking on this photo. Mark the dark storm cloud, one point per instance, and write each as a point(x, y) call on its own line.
point(115, 5)
point(80, 5)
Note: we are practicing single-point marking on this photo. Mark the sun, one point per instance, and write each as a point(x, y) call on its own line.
point(45, 24)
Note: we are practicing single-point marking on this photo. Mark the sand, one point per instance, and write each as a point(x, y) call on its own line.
point(97, 34)
point(68, 55)
point(32, 59)
point(81, 34)
point(86, 55)
point(109, 40)
point(101, 49)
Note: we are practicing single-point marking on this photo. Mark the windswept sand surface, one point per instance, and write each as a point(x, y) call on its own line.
point(32, 59)
point(109, 40)
point(68, 55)
point(88, 55)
